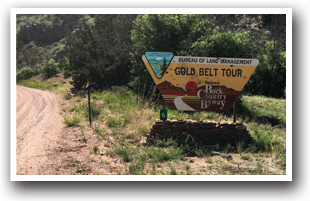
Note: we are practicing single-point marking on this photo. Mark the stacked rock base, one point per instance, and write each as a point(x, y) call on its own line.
point(203, 132)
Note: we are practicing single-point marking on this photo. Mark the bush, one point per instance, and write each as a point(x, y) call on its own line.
point(113, 122)
point(67, 74)
point(224, 44)
point(50, 68)
point(37, 69)
point(269, 77)
point(24, 74)
point(72, 122)
point(172, 33)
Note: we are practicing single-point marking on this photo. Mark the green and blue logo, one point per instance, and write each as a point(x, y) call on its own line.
point(159, 61)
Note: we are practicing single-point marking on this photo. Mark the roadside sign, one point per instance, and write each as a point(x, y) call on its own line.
point(198, 83)
point(163, 115)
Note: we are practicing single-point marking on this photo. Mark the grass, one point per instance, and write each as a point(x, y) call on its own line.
point(52, 84)
point(124, 118)
point(75, 120)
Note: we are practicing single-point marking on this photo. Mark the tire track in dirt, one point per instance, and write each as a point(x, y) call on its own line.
point(38, 128)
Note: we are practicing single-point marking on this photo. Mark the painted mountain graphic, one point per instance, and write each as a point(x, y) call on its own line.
point(177, 98)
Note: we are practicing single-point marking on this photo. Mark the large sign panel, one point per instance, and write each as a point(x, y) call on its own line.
point(198, 83)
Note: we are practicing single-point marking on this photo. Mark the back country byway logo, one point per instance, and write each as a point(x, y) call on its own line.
point(198, 83)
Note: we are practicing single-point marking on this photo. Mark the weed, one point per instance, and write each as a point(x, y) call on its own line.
point(164, 143)
point(158, 154)
point(105, 162)
point(110, 152)
point(95, 149)
point(253, 148)
point(124, 153)
point(188, 169)
point(75, 120)
point(83, 137)
point(217, 146)
point(228, 147)
point(223, 167)
point(113, 122)
point(246, 157)
point(136, 168)
point(173, 171)
point(107, 144)
point(240, 145)
point(199, 153)
point(259, 168)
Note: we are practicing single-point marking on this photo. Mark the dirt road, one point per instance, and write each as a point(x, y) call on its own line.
point(38, 128)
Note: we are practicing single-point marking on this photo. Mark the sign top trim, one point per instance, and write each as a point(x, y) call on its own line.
point(215, 61)
point(212, 60)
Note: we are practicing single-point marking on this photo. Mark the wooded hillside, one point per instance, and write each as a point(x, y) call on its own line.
point(108, 48)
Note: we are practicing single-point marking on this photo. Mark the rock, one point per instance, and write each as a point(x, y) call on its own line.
point(73, 91)
point(229, 158)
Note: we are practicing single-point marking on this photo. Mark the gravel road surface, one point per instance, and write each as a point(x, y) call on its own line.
point(38, 128)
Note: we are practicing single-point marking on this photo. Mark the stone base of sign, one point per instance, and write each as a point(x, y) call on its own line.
point(203, 132)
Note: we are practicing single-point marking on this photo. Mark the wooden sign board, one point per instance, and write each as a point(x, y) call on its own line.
point(198, 83)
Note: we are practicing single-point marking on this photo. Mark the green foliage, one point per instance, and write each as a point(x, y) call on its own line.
point(173, 33)
point(113, 122)
point(50, 68)
point(37, 69)
point(137, 168)
point(157, 154)
point(64, 64)
point(75, 120)
point(269, 78)
point(124, 153)
point(224, 44)
point(173, 171)
point(95, 149)
point(99, 53)
point(24, 74)
point(67, 74)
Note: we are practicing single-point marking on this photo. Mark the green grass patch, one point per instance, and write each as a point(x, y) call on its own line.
point(75, 120)
point(113, 122)
point(160, 155)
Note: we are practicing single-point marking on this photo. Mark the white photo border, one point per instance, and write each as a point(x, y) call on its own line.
point(287, 177)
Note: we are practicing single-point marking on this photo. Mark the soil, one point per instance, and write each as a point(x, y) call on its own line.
point(38, 128)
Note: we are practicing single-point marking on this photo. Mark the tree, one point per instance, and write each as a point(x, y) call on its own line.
point(269, 78)
point(225, 44)
point(100, 52)
point(172, 33)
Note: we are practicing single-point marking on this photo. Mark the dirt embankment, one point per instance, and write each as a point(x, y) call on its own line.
point(38, 128)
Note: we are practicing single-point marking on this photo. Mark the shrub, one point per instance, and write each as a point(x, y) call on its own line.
point(95, 149)
point(72, 122)
point(269, 78)
point(24, 74)
point(137, 168)
point(123, 152)
point(162, 155)
point(113, 122)
point(67, 74)
point(37, 69)
point(50, 68)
